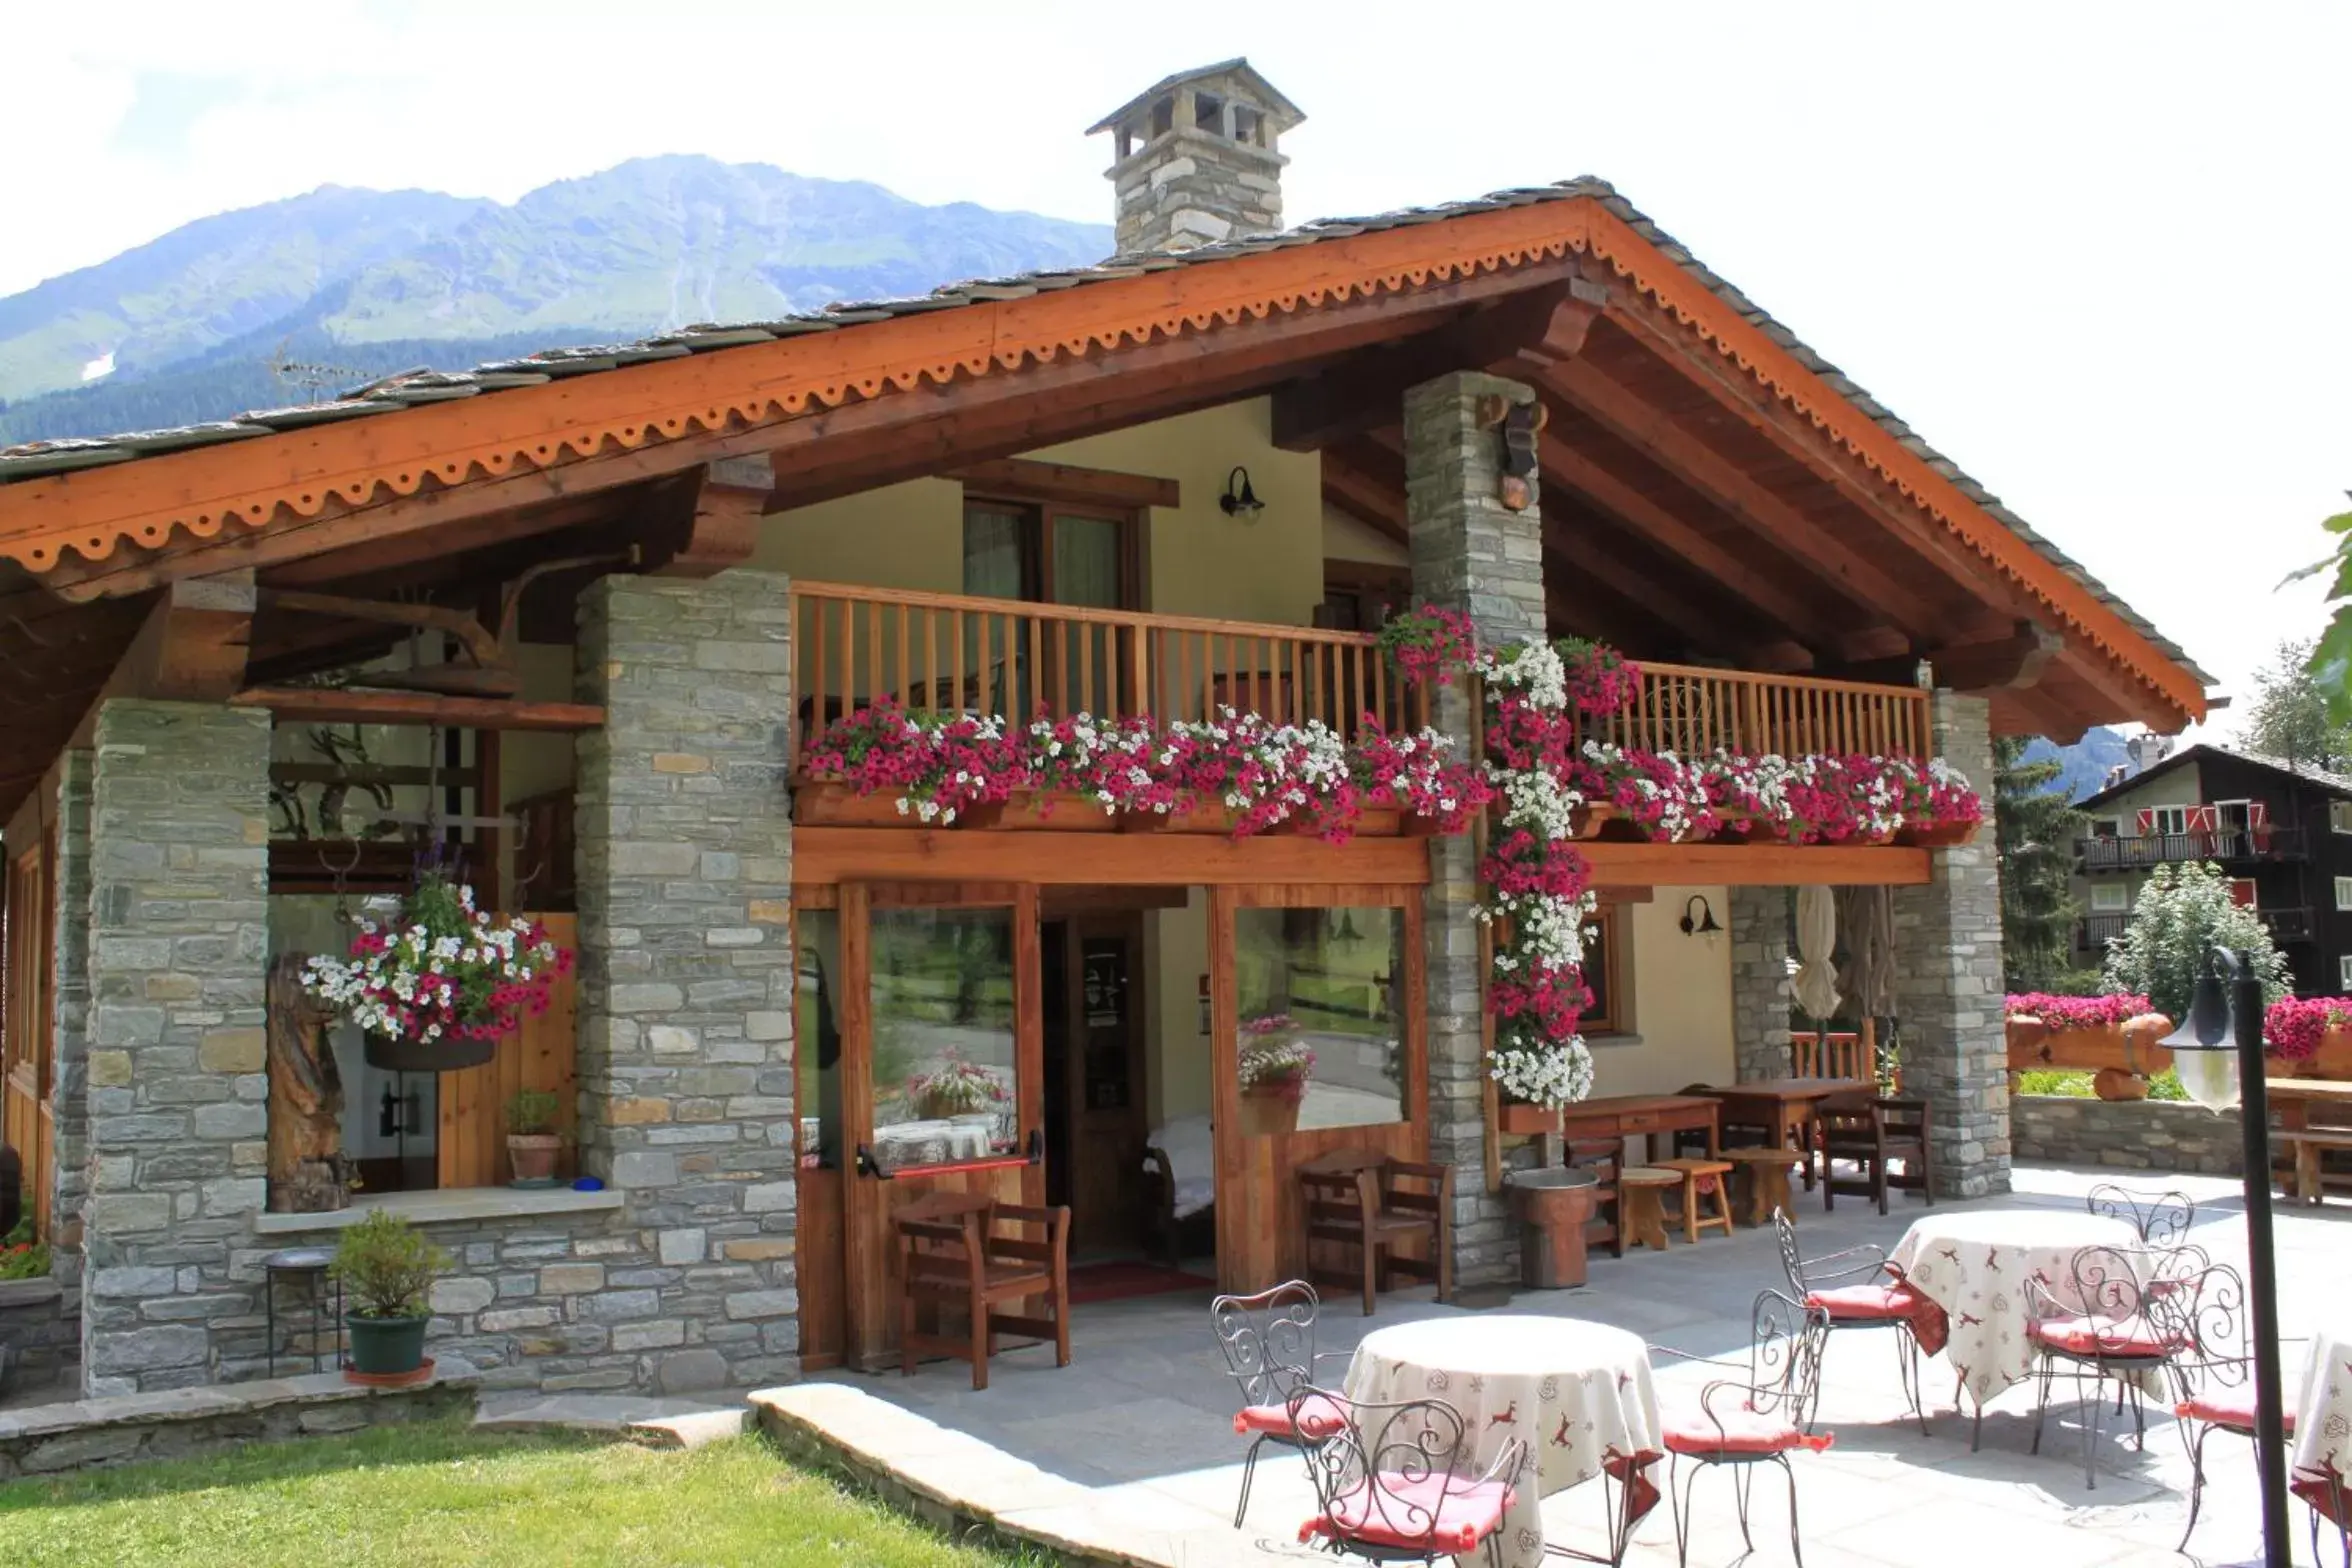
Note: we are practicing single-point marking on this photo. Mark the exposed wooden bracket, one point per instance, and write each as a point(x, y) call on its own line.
point(2009, 663)
point(1874, 642)
point(706, 521)
point(1779, 658)
point(1549, 324)
point(193, 645)
point(1026, 479)
point(1368, 483)
point(477, 644)
point(334, 705)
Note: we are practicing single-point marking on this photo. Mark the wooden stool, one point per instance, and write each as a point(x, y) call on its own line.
point(1641, 1210)
point(1702, 1179)
point(1766, 1172)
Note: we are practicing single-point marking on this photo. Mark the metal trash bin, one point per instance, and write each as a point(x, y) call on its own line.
point(1554, 1206)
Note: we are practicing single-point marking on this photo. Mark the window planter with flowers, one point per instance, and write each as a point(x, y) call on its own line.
point(436, 988)
point(1275, 1068)
point(2115, 1035)
point(2309, 1037)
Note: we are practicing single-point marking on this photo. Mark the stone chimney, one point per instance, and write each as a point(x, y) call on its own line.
point(2146, 750)
point(1197, 160)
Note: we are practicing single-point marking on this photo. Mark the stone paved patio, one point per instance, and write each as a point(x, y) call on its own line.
point(1133, 1443)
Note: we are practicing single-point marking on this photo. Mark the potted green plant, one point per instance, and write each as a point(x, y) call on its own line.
point(532, 1143)
point(386, 1268)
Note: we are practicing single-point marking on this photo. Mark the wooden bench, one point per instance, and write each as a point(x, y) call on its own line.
point(2307, 1142)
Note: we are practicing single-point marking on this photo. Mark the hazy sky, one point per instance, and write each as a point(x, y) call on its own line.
point(2096, 253)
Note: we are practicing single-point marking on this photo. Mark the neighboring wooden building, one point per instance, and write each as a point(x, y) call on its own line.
point(583, 609)
point(2281, 832)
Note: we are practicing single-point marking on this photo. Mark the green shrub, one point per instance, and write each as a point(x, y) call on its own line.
point(2056, 1081)
point(387, 1266)
point(531, 1111)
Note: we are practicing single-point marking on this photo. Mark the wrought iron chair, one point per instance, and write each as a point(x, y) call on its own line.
point(1269, 1345)
point(1391, 1484)
point(1760, 1417)
point(2124, 1321)
point(1856, 1288)
point(2212, 1373)
point(2162, 1219)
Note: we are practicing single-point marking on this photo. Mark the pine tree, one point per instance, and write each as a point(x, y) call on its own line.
point(2034, 828)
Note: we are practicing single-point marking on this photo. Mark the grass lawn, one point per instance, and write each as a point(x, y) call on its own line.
point(444, 1494)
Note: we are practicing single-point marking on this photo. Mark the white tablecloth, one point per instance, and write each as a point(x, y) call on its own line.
point(1975, 1266)
point(904, 1144)
point(1578, 1393)
point(2320, 1470)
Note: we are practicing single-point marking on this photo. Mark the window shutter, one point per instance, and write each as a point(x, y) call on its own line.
point(2147, 820)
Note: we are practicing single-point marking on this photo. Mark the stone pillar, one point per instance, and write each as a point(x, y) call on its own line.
point(686, 964)
point(1948, 981)
point(178, 945)
point(69, 1081)
point(1470, 553)
point(1761, 991)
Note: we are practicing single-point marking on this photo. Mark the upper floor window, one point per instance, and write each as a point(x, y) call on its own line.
point(2344, 892)
point(2110, 898)
point(2340, 816)
point(2344, 971)
point(1049, 554)
point(2167, 819)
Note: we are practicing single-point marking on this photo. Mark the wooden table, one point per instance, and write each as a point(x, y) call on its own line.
point(1645, 1115)
point(2293, 1099)
point(1786, 1108)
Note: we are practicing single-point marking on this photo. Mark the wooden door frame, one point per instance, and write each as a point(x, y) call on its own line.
point(1126, 925)
point(868, 1303)
point(1231, 1147)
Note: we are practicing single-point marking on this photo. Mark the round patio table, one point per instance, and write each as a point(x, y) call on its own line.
point(1578, 1393)
point(1972, 1269)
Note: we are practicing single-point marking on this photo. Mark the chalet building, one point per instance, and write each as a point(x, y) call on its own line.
point(580, 616)
point(2281, 831)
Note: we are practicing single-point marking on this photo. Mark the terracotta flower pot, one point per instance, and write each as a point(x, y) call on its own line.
point(531, 1156)
point(1271, 1112)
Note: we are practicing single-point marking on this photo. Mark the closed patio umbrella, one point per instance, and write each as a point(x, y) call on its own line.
point(1866, 929)
point(1817, 987)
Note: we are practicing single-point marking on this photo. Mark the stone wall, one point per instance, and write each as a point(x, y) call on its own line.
point(1948, 981)
point(1470, 553)
point(70, 977)
point(2147, 1135)
point(40, 1335)
point(1761, 991)
point(178, 941)
point(686, 981)
point(123, 1429)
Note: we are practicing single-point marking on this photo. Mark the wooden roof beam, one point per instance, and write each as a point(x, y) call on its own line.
point(1573, 470)
point(1593, 558)
point(1365, 482)
point(2011, 661)
point(1368, 391)
point(1650, 430)
point(1739, 396)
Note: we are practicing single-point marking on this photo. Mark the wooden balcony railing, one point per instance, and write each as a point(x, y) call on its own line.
point(2123, 852)
point(949, 653)
point(1691, 711)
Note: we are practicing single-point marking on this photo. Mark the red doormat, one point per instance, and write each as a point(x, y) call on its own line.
point(1118, 1281)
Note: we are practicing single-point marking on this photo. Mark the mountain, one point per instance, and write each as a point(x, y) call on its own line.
point(2083, 765)
point(361, 283)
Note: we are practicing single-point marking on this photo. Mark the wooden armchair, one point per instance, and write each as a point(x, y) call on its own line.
point(1357, 1198)
point(1871, 1135)
point(1605, 1158)
point(951, 1253)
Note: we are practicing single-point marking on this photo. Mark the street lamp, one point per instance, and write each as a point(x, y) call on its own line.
point(2218, 1052)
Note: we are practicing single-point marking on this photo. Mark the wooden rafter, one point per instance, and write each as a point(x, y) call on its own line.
point(332, 705)
point(1608, 402)
point(1368, 392)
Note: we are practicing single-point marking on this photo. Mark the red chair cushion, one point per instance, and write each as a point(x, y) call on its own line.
point(2229, 1407)
point(1319, 1417)
point(1864, 1303)
point(1437, 1511)
point(1691, 1430)
point(2114, 1339)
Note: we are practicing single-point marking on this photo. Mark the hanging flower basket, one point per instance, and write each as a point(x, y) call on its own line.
point(436, 989)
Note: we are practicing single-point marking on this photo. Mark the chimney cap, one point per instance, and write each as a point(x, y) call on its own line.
point(1284, 113)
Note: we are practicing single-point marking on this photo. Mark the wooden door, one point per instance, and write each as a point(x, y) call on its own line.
point(1344, 964)
point(1100, 1079)
point(470, 1141)
point(932, 976)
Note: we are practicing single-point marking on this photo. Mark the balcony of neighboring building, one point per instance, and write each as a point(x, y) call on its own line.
point(2229, 844)
point(2094, 931)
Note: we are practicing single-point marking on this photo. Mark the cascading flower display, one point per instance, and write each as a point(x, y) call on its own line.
point(444, 970)
point(1429, 643)
point(2063, 1013)
point(1267, 775)
point(2294, 1027)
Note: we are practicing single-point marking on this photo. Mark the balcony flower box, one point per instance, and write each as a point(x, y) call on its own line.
point(1522, 1120)
point(1936, 835)
point(2115, 1037)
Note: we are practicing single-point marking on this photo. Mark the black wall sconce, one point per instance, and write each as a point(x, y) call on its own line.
point(1239, 500)
point(1704, 923)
